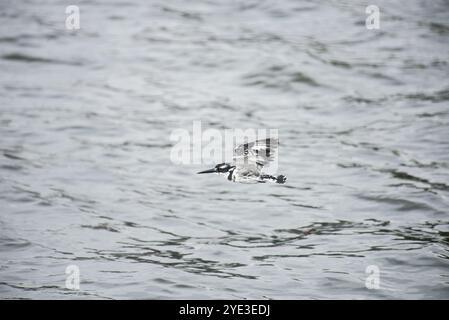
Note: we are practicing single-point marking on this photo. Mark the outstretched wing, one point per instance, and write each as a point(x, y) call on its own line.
point(257, 153)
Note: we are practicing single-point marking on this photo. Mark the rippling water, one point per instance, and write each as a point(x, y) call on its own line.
point(85, 171)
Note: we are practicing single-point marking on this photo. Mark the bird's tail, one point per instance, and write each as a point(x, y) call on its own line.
point(279, 179)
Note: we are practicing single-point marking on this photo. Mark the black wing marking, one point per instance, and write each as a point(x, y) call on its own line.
point(258, 152)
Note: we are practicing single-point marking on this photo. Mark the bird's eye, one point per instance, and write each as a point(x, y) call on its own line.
point(221, 166)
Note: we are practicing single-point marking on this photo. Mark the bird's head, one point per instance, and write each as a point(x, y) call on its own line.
point(219, 168)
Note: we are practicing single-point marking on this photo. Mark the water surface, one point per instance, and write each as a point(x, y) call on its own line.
point(85, 171)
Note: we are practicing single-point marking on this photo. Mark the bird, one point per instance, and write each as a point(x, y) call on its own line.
point(249, 161)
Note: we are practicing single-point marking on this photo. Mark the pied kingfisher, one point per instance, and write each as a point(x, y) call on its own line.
point(248, 163)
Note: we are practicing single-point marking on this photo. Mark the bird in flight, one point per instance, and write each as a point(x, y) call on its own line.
point(249, 162)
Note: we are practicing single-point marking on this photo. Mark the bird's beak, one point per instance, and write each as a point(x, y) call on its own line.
point(213, 170)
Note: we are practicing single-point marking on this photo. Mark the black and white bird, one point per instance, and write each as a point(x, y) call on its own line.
point(249, 161)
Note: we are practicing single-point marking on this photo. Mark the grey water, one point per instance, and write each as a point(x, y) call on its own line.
point(86, 178)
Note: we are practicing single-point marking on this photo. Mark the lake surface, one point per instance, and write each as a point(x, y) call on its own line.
point(85, 171)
